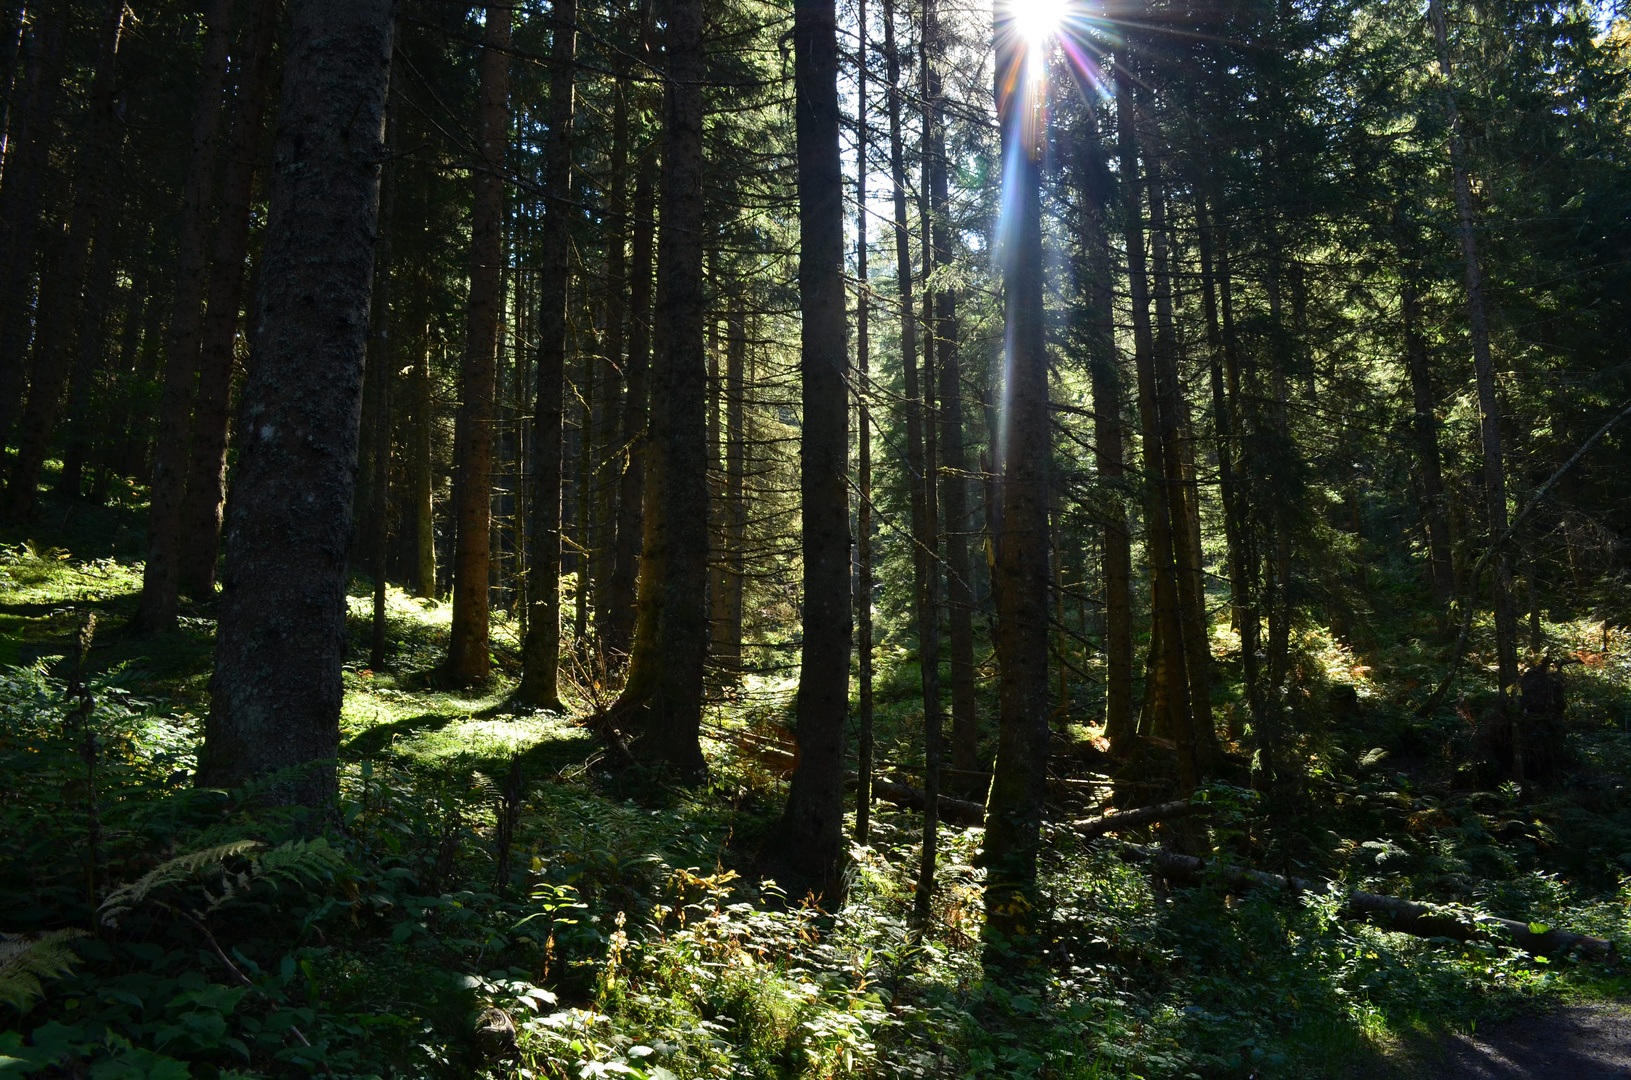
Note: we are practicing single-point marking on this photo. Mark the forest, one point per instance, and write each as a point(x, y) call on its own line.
point(1052, 540)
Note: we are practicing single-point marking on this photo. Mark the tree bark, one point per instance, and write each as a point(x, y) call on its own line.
point(1019, 777)
point(161, 574)
point(673, 713)
point(468, 657)
point(812, 824)
point(863, 451)
point(541, 649)
point(377, 406)
point(617, 224)
point(1489, 408)
point(276, 692)
point(99, 153)
point(1166, 642)
point(92, 335)
point(1424, 425)
point(632, 484)
point(729, 648)
point(422, 482)
point(206, 492)
point(27, 159)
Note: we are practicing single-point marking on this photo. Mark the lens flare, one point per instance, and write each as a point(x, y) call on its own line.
point(1035, 21)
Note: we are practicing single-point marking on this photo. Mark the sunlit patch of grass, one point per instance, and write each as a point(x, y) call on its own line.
point(30, 574)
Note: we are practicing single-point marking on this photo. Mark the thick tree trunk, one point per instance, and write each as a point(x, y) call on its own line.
point(468, 657)
point(96, 169)
point(1019, 777)
point(673, 712)
point(206, 492)
point(275, 696)
point(161, 574)
point(541, 649)
point(813, 823)
point(632, 484)
point(27, 158)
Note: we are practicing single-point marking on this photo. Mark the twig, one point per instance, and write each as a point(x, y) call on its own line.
point(215, 947)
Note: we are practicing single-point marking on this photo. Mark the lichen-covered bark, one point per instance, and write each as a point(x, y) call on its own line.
point(275, 697)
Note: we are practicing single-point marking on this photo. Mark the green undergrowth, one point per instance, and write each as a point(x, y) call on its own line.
point(154, 929)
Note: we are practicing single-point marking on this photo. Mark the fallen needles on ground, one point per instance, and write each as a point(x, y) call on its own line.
point(1388, 912)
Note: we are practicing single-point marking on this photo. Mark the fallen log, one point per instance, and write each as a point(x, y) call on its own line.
point(961, 811)
point(1388, 912)
point(1131, 819)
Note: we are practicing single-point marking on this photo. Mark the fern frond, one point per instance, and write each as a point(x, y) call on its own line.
point(179, 870)
point(25, 960)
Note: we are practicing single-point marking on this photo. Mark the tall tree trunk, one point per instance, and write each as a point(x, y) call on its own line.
point(1424, 425)
point(965, 730)
point(863, 450)
point(1019, 778)
point(1182, 494)
point(541, 649)
point(1489, 408)
point(1105, 379)
point(921, 461)
point(468, 657)
point(674, 710)
point(161, 574)
point(92, 345)
point(617, 225)
point(813, 822)
point(1242, 606)
point(632, 484)
point(1166, 641)
point(377, 406)
point(25, 169)
point(421, 480)
point(729, 648)
point(206, 492)
point(275, 696)
point(98, 156)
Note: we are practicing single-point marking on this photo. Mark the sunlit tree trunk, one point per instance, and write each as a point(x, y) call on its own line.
point(1018, 786)
point(377, 400)
point(468, 657)
point(617, 226)
point(275, 696)
point(421, 479)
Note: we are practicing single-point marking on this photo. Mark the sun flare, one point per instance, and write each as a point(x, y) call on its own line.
point(1035, 21)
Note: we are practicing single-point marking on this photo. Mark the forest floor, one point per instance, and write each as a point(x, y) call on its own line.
point(625, 935)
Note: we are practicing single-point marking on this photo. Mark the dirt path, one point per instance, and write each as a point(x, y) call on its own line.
point(1585, 1042)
